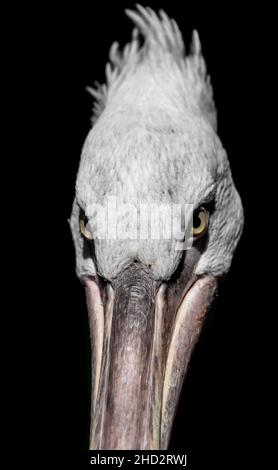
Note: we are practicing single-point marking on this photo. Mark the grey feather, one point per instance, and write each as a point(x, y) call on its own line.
point(162, 42)
point(154, 140)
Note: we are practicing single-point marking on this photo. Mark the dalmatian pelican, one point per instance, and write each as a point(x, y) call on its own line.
point(154, 140)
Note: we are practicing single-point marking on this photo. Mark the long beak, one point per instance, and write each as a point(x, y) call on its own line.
point(140, 353)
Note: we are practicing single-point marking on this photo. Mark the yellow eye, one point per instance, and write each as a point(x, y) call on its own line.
point(84, 229)
point(200, 222)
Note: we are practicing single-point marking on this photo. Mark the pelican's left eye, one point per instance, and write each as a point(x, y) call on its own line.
point(200, 222)
point(84, 228)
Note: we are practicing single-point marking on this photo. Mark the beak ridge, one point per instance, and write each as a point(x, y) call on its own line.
point(139, 360)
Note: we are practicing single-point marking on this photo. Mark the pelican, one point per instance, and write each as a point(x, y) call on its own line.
point(153, 141)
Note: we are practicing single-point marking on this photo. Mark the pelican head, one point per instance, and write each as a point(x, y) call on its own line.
point(153, 144)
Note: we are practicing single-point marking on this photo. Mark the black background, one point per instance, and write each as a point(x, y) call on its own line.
point(61, 51)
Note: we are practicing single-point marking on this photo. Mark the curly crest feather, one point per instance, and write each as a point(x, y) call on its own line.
point(162, 52)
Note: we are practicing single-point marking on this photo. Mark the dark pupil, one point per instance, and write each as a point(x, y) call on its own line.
point(196, 219)
point(83, 217)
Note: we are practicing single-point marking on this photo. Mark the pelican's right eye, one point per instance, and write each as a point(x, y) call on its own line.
point(84, 227)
